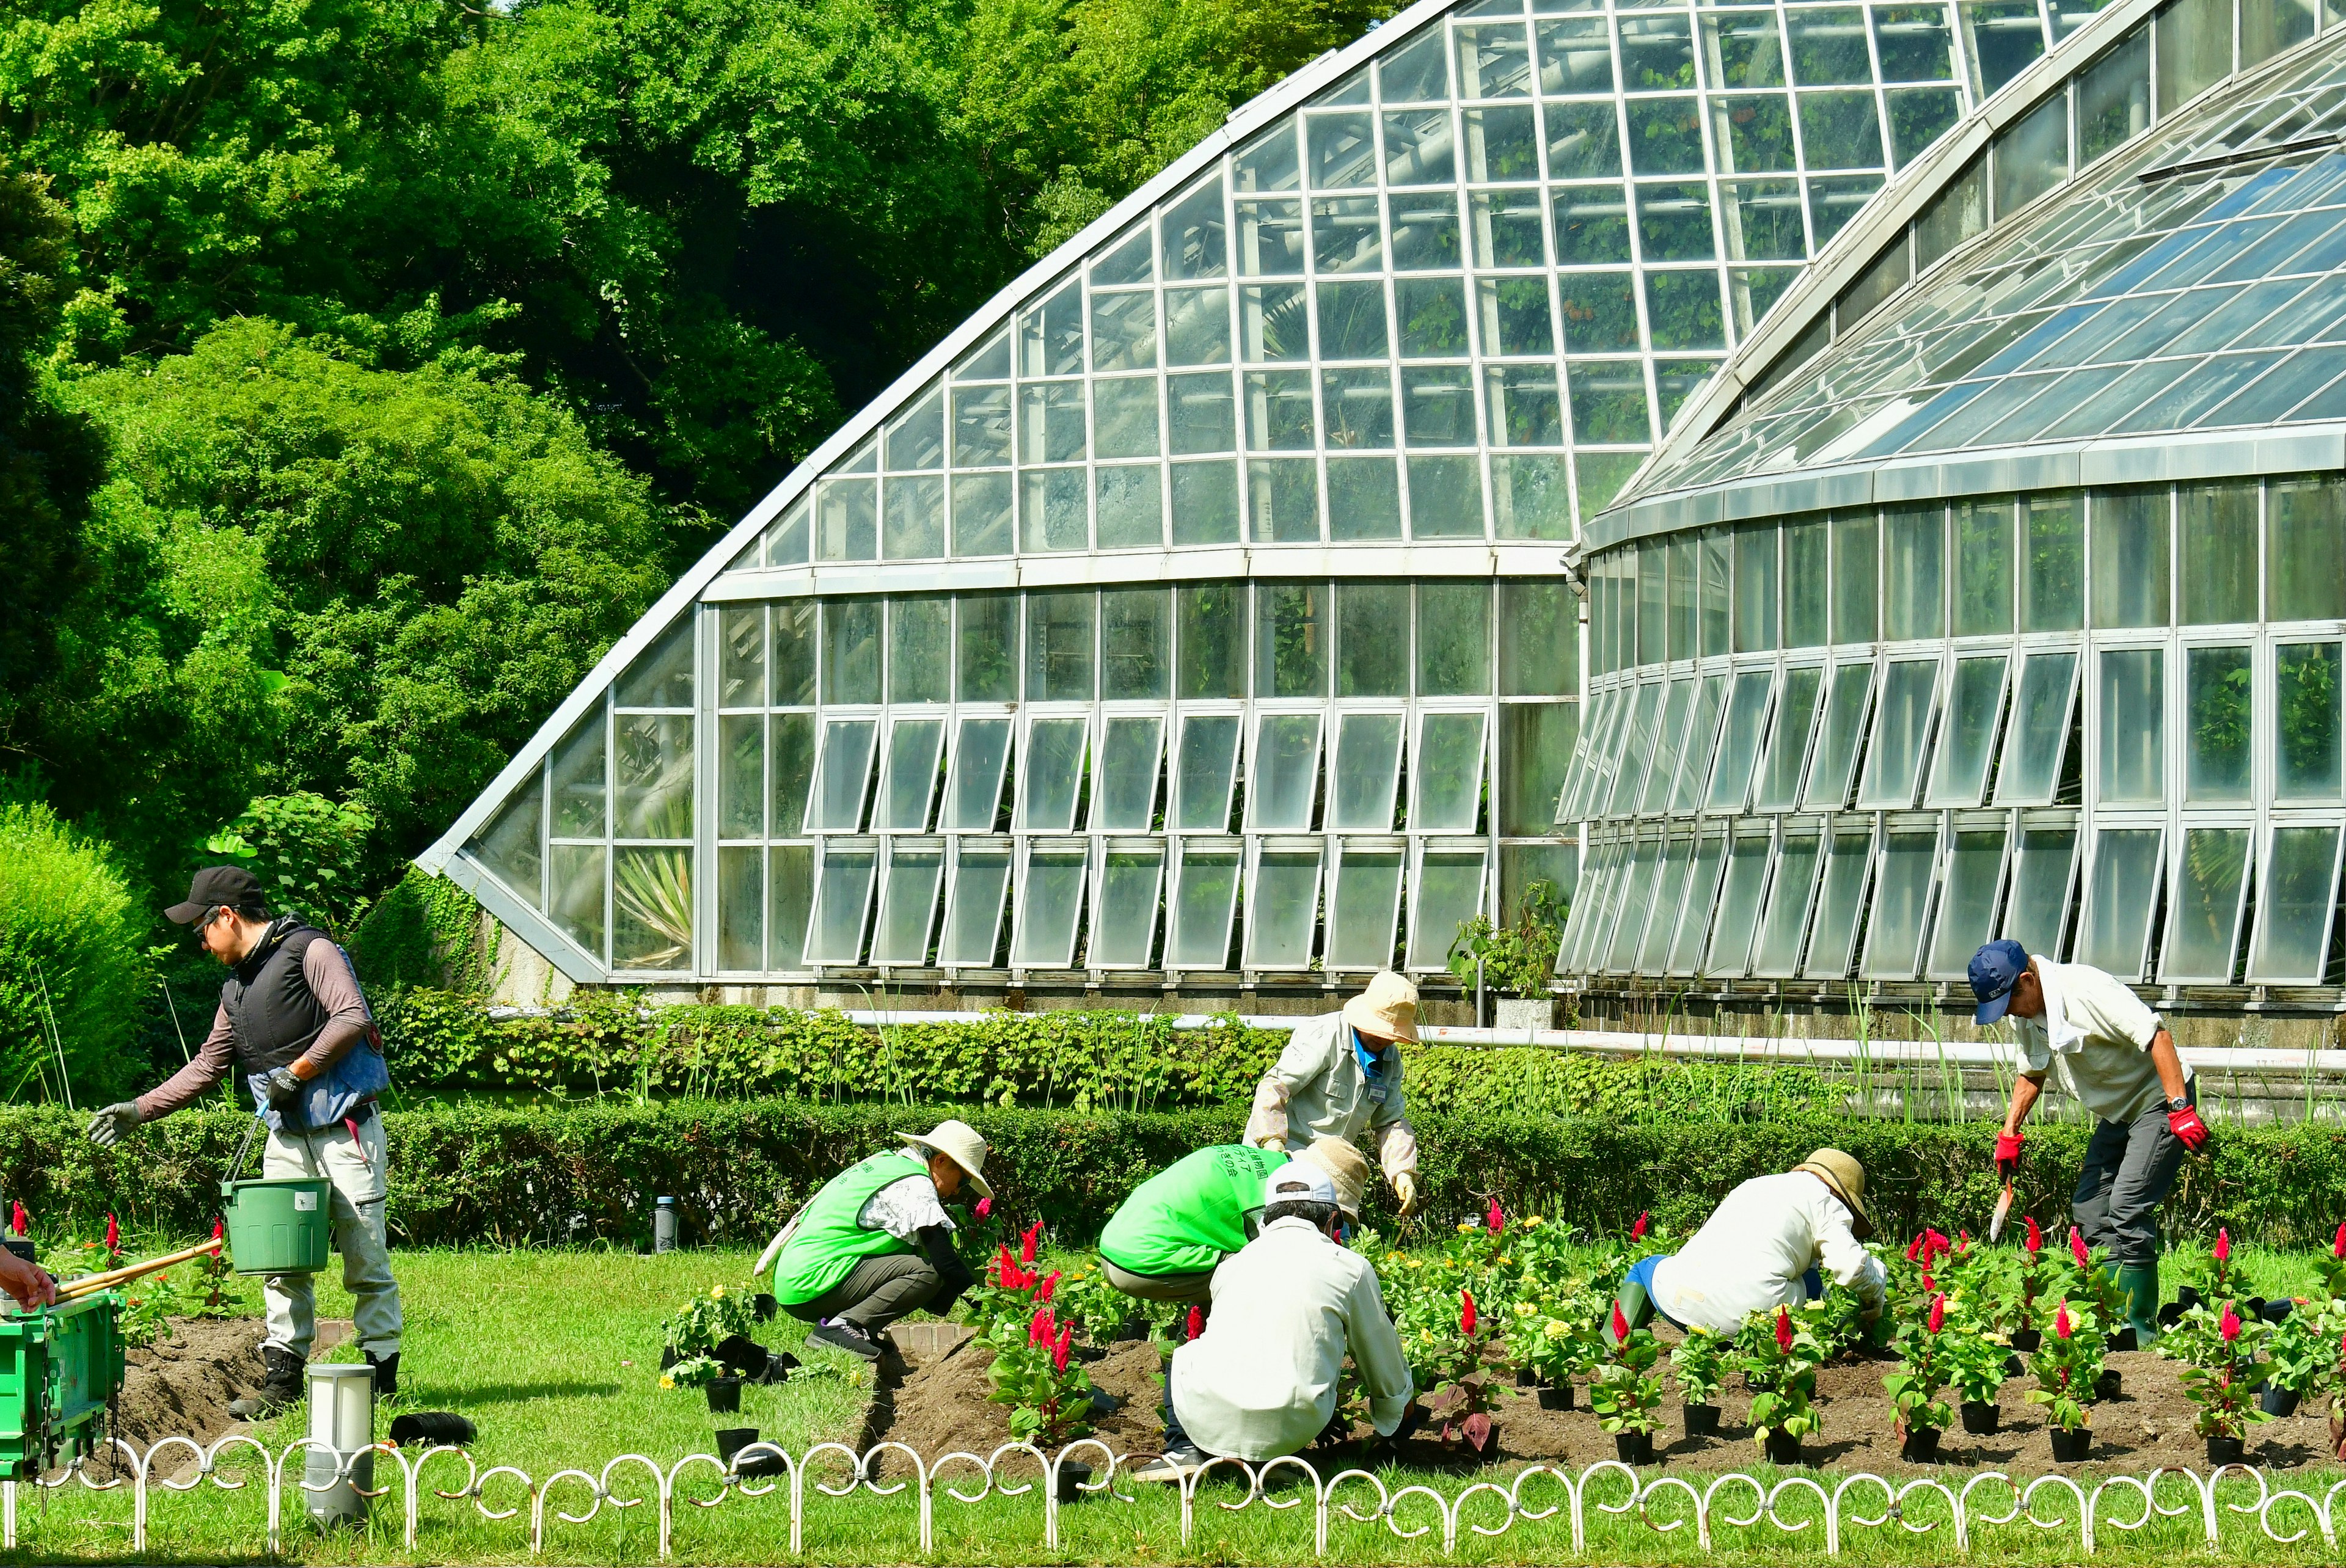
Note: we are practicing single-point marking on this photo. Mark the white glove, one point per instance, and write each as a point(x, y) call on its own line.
point(1404, 1186)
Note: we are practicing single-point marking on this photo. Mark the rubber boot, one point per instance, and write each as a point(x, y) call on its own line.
point(2140, 1283)
point(386, 1373)
point(280, 1386)
point(1635, 1307)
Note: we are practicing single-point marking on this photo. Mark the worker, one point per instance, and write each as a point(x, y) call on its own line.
point(1340, 1077)
point(295, 1025)
point(1164, 1243)
point(2119, 1060)
point(1260, 1379)
point(1768, 1244)
point(25, 1280)
point(874, 1243)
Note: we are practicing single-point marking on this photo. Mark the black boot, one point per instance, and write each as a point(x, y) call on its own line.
point(386, 1373)
point(280, 1386)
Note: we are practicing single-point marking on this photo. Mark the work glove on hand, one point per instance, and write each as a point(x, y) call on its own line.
point(2007, 1156)
point(1270, 1141)
point(285, 1090)
point(107, 1126)
point(1404, 1186)
point(2187, 1126)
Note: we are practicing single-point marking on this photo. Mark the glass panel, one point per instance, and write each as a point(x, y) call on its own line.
point(1285, 777)
point(2294, 904)
point(1291, 640)
point(1205, 897)
point(1755, 588)
point(981, 511)
point(1059, 646)
point(843, 896)
point(793, 769)
point(981, 884)
point(512, 845)
point(1681, 598)
point(1588, 908)
point(741, 674)
point(653, 765)
point(794, 652)
point(1669, 736)
point(1669, 904)
point(2038, 914)
point(740, 776)
point(1636, 906)
point(2053, 572)
point(1449, 893)
point(1453, 639)
point(1209, 763)
point(1967, 907)
point(2032, 156)
point(1711, 598)
point(1125, 796)
point(1196, 234)
point(1282, 908)
point(1448, 773)
point(847, 525)
point(579, 780)
point(1364, 913)
point(1840, 899)
point(2305, 540)
point(661, 676)
point(974, 793)
point(2205, 931)
point(847, 748)
point(1842, 727)
point(1702, 736)
point(575, 876)
point(2130, 557)
point(1540, 656)
point(1050, 907)
point(1052, 775)
point(920, 638)
point(1634, 749)
point(908, 905)
point(1975, 706)
point(1914, 572)
point(1131, 508)
point(1806, 607)
point(1902, 727)
point(1738, 909)
point(1212, 626)
point(740, 909)
point(1788, 742)
point(2114, 98)
point(850, 650)
point(1364, 496)
point(1738, 744)
point(986, 657)
point(2218, 526)
point(1373, 639)
point(2039, 734)
point(2125, 888)
point(1893, 935)
point(1368, 765)
point(2305, 721)
point(1984, 568)
point(789, 899)
point(910, 779)
point(2215, 744)
point(1788, 905)
point(2133, 727)
point(1854, 551)
point(2194, 44)
point(1701, 895)
point(1136, 638)
point(1124, 926)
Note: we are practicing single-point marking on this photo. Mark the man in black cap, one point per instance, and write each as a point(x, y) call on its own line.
point(295, 1025)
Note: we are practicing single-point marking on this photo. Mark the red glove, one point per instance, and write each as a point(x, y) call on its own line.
point(2007, 1156)
point(2189, 1128)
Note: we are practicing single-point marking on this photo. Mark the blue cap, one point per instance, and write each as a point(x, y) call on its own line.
point(1994, 968)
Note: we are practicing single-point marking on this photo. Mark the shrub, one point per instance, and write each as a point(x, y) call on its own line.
point(74, 977)
point(425, 932)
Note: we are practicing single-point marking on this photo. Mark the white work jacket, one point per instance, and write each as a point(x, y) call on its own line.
point(1261, 1381)
point(1317, 1089)
point(2099, 1032)
point(1748, 1257)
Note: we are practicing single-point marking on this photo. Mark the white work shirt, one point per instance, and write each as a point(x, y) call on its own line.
point(2099, 1032)
point(903, 1208)
point(1748, 1257)
point(1261, 1381)
point(1318, 1089)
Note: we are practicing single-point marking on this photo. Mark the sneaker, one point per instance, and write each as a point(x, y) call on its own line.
point(841, 1334)
point(1177, 1466)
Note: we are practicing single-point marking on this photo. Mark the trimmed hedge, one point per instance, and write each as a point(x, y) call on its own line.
point(466, 1175)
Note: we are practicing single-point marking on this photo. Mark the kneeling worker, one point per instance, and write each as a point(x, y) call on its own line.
point(1768, 1244)
point(1168, 1238)
point(1261, 1381)
point(874, 1243)
point(1340, 1077)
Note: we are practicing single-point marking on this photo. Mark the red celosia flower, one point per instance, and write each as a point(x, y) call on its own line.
point(1196, 1324)
point(1039, 1331)
point(2338, 1247)
point(985, 1206)
point(1034, 1234)
point(1938, 1313)
point(1637, 1231)
point(2077, 1248)
point(2223, 1246)
point(220, 1228)
point(1466, 1312)
point(18, 1221)
point(1620, 1325)
point(1050, 1284)
point(2061, 1322)
point(2036, 1237)
point(1914, 1248)
point(1783, 1331)
point(113, 1235)
point(1059, 1351)
point(1493, 1220)
point(2228, 1325)
point(1928, 1283)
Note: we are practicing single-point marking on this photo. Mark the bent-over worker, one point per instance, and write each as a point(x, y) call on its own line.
point(874, 1242)
point(2119, 1061)
point(1768, 1244)
point(1164, 1243)
point(1261, 1381)
point(295, 1026)
point(1340, 1077)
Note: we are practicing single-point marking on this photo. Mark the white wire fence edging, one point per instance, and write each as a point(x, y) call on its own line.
point(1537, 1495)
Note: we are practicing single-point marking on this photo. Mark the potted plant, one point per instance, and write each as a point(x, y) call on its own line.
point(2296, 1352)
point(1553, 1351)
point(1780, 1363)
point(1913, 1388)
point(705, 1322)
point(1516, 961)
point(1049, 1391)
point(2065, 1368)
point(2025, 1284)
point(1468, 1372)
point(1698, 1361)
point(2224, 1388)
point(1625, 1391)
point(1974, 1365)
point(708, 1374)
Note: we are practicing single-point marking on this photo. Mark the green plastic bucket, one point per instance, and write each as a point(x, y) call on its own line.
point(277, 1224)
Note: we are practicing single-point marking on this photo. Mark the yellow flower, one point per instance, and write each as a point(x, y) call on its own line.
point(717, 1293)
point(1501, 1259)
point(666, 1381)
point(1414, 1262)
point(1556, 1328)
point(1467, 1228)
point(1522, 1309)
point(1535, 1220)
point(1425, 1336)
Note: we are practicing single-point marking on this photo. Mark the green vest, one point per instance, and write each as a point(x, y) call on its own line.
point(829, 1242)
point(1187, 1219)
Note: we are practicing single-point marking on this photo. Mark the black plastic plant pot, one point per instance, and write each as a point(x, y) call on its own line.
point(2072, 1447)
point(779, 1368)
point(764, 1304)
point(1558, 1398)
point(1783, 1448)
point(2170, 1315)
point(2014, 1366)
point(743, 1357)
point(2124, 1338)
point(1702, 1421)
point(1982, 1419)
point(2186, 1296)
point(668, 1357)
point(2278, 1311)
point(2226, 1449)
point(1634, 1447)
point(724, 1395)
point(1527, 1378)
point(2026, 1340)
point(2276, 1401)
point(2107, 1386)
point(1920, 1446)
point(432, 1429)
point(732, 1440)
point(1072, 1477)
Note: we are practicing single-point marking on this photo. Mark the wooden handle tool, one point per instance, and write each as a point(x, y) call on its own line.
point(92, 1283)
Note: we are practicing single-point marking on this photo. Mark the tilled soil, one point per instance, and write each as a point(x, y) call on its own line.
point(943, 1407)
point(181, 1387)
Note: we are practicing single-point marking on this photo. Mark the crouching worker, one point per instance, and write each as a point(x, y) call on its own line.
point(1165, 1241)
point(1261, 1381)
point(875, 1244)
point(1768, 1244)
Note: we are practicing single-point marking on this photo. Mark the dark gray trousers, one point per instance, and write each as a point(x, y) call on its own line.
point(2129, 1168)
point(875, 1293)
point(1176, 1287)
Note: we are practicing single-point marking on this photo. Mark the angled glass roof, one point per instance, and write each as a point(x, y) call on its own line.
point(2196, 280)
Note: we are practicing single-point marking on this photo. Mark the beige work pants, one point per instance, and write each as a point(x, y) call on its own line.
point(360, 1173)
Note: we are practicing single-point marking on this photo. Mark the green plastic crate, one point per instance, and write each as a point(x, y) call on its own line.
point(58, 1370)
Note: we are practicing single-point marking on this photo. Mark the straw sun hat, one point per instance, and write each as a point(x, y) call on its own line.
point(1846, 1178)
point(1345, 1167)
point(958, 1142)
point(1387, 1010)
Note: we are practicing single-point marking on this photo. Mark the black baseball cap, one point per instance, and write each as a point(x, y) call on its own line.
point(214, 886)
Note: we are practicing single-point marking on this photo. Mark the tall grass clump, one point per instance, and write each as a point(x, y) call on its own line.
point(73, 976)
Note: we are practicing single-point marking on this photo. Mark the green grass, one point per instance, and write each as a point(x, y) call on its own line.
point(555, 1356)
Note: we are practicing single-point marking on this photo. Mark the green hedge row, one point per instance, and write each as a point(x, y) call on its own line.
point(464, 1176)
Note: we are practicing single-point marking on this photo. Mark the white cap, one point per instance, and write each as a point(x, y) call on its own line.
point(1299, 1181)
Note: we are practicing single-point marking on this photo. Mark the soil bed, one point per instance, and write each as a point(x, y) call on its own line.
point(181, 1387)
point(943, 1407)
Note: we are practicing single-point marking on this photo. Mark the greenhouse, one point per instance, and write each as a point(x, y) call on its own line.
point(1200, 608)
point(2003, 591)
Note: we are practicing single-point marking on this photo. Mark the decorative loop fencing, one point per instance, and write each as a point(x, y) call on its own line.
point(1538, 1495)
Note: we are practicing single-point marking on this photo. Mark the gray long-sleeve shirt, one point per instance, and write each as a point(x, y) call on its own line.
point(330, 981)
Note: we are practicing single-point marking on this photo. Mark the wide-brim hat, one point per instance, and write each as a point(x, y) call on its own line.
point(1846, 1178)
point(1346, 1167)
point(1387, 1009)
point(958, 1142)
